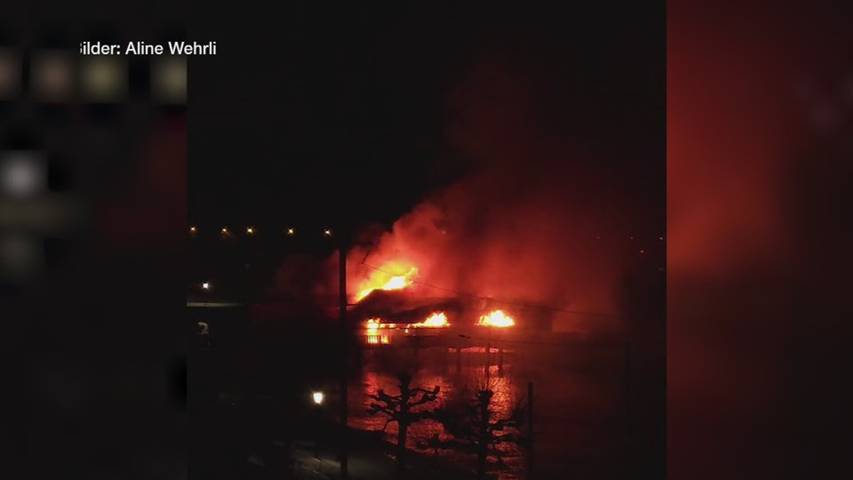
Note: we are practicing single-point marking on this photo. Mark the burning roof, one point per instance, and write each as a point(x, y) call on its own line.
point(407, 309)
point(401, 306)
point(394, 276)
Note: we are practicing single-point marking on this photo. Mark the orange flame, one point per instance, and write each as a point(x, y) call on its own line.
point(372, 325)
point(436, 320)
point(393, 276)
point(497, 319)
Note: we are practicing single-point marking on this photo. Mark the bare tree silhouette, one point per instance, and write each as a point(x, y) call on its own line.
point(403, 408)
point(476, 428)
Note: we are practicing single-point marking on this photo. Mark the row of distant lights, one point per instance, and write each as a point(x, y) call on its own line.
point(250, 231)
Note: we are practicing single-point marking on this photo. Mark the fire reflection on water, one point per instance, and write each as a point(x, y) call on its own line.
point(580, 405)
point(452, 383)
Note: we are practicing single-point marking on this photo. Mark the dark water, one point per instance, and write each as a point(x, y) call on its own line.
point(579, 395)
point(579, 408)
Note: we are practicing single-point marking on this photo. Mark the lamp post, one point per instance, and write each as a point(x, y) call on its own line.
point(317, 399)
point(342, 298)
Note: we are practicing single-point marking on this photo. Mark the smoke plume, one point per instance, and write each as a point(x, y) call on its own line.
point(534, 218)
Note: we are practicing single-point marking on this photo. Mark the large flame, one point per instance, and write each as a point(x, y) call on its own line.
point(497, 319)
point(392, 276)
point(436, 320)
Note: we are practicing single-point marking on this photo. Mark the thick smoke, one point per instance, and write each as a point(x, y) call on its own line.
point(533, 220)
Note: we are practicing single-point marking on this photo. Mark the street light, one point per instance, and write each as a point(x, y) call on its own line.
point(327, 232)
point(317, 397)
point(291, 232)
point(205, 286)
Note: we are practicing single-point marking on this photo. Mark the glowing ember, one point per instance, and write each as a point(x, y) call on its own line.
point(497, 319)
point(436, 320)
point(378, 339)
point(372, 325)
point(391, 277)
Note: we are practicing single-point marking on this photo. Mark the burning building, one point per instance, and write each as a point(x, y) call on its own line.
point(390, 305)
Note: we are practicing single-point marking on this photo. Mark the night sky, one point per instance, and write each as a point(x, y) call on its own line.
point(321, 114)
